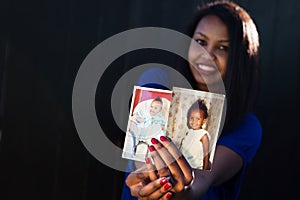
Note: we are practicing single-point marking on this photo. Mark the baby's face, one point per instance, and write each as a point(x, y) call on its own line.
point(155, 107)
point(196, 119)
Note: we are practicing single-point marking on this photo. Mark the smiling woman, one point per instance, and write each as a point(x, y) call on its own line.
point(226, 51)
point(43, 44)
point(211, 33)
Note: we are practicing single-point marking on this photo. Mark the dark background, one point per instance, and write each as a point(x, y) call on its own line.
point(44, 42)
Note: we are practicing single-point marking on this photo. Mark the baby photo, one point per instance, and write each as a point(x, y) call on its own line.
point(194, 124)
point(147, 119)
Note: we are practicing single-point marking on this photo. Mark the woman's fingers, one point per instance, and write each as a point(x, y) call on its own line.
point(152, 173)
point(160, 165)
point(136, 176)
point(166, 153)
point(157, 189)
point(170, 163)
point(180, 159)
point(143, 187)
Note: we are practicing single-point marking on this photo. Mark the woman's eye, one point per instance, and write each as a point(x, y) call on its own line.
point(224, 48)
point(199, 41)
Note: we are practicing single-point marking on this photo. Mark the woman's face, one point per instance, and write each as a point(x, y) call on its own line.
point(210, 66)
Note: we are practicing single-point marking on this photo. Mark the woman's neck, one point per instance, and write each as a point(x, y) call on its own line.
point(202, 87)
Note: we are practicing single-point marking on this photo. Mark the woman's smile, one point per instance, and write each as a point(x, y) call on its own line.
point(205, 69)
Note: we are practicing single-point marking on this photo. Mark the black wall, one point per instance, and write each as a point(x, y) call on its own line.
point(43, 44)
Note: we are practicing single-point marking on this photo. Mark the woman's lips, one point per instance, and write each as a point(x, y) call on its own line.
point(205, 69)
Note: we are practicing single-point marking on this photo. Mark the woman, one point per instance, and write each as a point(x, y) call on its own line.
point(229, 35)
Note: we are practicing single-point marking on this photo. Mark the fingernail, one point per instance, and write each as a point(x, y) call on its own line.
point(151, 148)
point(168, 177)
point(154, 141)
point(147, 160)
point(169, 195)
point(163, 138)
point(167, 186)
point(163, 181)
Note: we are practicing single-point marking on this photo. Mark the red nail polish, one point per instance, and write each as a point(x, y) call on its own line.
point(151, 148)
point(169, 195)
point(154, 141)
point(163, 181)
point(163, 138)
point(147, 160)
point(167, 186)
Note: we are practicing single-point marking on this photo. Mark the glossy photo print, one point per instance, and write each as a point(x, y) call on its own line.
point(147, 119)
point(194, 124)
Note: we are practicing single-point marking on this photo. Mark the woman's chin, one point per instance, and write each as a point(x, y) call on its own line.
point(210, 85)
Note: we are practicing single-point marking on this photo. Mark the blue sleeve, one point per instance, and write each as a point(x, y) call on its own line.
point(245, 139)
point(156, 76)
point(126, 191)
point(126, 195)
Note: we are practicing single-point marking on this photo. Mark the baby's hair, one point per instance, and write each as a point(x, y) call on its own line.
point(158, 99)
point(198, 105)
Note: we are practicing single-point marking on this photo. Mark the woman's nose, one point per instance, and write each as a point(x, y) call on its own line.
point(210, 52)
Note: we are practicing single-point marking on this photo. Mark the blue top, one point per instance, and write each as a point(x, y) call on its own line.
point(244, 140)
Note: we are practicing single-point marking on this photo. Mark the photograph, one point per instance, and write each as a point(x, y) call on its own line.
point(147, 119)
point(194, 124)
point(74, 126)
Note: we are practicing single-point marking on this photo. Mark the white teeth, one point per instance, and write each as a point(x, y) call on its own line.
point(206, 68)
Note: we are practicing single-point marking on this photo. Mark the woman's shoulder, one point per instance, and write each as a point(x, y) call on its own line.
point(249, 127)
point(251, 123)
point(251, 116)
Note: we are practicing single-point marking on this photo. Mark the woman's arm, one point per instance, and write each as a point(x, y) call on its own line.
point(225, 165)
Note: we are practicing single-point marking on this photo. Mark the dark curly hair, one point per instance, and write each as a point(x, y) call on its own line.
point(198, 105)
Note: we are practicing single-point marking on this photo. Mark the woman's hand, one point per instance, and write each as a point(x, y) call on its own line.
point(188, 183)
point(169, 161)
point(169, 172)
point(145, 184)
